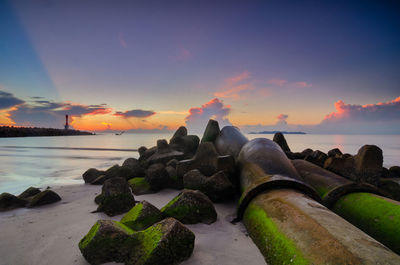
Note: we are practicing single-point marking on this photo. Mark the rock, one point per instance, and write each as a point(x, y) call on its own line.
point(346, 155)
point(218, 187)
point(141, 150)
point(391, 186)
point(113, 172)
point(295, 155)
point(307, 152)
point(368, 164)
point(211, 132)
point(173, 181)
point(29, 192)
point(172, 163)
point(191, 207)
point(9, 202)
point(131, 162)
point(91, 174)
point(130, 169)
point(100, 180)
point(191, 143)
point(157, 176)
point(205, 160)
point(334, 152)
point(147, 153)
point(116, 197)
point(164, 153)
point(395, 171)
point(166, 242)
point(98, 199)
point(182, 131)
point(108, 241)
point(140, 186)
point(141, 216)
point(341, 166)
point(44, 197)
point(317, 157)
point(281, 141)
point(194, 180)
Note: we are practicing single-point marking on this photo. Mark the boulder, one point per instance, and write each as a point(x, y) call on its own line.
point(91, 174)
point(176, 141)
point(108, 241)
point(205, 160)
point(147, 153)
point(141, 150)
point(191, 143)
point(211, 132)
point(395, 171)
point(341, 166)
point(29, 192)
point(191, 207)
point(44, 197)
point(166, 242)
point(387, 174)
point(172, 163)
point(281, 141)
point(9, 202)
point(140, 186)
point(317, 157)
point(307, 152)
point(391, 187)
point(295, 155)
point(173, 181)
point(218, 187)
point(137, 171)
point(368, 164)
point(100, 180)
point(141, 216)
point(164, 153)
point(113, 172)
point(334, 152)
point(116, 197)
point(157, 176)
point(181, 132)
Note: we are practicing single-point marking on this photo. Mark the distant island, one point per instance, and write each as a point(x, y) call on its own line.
point(11, 131)
point(273, 132)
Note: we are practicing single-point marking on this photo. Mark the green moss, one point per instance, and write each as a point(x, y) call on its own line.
point(140, 186)
point(86, 239)
point(127, 229)
point(170, 203)
point(275, 246)
point(177, 211)
point(133, 214)
point(149, 240)
point(375, 215)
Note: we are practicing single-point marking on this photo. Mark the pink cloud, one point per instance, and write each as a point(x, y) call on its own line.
point(214, 109)
point(302, 84)
point(183, 54)
point(234, 92)
point(237, 78)
point(277, 82)
point(282, 117)
point(122, 40)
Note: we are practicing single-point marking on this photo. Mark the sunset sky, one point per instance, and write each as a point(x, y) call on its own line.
point(148, 66)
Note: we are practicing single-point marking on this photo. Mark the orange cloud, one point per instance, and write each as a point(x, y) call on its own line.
point(237, 78)
point(234, 92)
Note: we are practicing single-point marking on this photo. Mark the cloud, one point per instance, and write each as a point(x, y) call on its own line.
point(182, 54)
point(234, 88)
point(214, 109)
point(302, 84)
point(379, 118)
point(122, 40)
point(136, 113)
point(8, 100)
point(44, 113)
point(277, 82)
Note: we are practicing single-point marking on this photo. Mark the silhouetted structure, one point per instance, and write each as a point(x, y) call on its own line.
point(10, 131)
point(66, 126)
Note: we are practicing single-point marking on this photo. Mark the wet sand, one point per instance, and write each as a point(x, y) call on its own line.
point(50, 234)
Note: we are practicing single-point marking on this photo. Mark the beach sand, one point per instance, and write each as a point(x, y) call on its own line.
point(50, 234)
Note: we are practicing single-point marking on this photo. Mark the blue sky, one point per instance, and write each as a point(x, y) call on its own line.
point(292, 57)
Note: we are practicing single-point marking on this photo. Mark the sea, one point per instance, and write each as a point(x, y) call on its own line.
point(61, 160)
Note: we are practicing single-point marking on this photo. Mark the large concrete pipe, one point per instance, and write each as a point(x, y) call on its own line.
point(287, 225)
point(358, 203)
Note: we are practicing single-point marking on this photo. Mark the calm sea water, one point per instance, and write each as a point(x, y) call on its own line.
point(47, 161)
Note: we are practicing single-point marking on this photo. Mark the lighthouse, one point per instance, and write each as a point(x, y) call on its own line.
point(66, 126)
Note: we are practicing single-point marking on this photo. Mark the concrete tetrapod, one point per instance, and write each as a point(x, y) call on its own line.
point(358, 203)
point(287, 225)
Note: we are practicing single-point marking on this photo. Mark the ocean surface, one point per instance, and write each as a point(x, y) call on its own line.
point(47, 161)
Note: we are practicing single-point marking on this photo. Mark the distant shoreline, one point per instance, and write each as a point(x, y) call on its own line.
point(11, 131)
point(273, 132)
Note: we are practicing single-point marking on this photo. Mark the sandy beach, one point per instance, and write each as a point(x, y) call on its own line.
point(50, 234)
